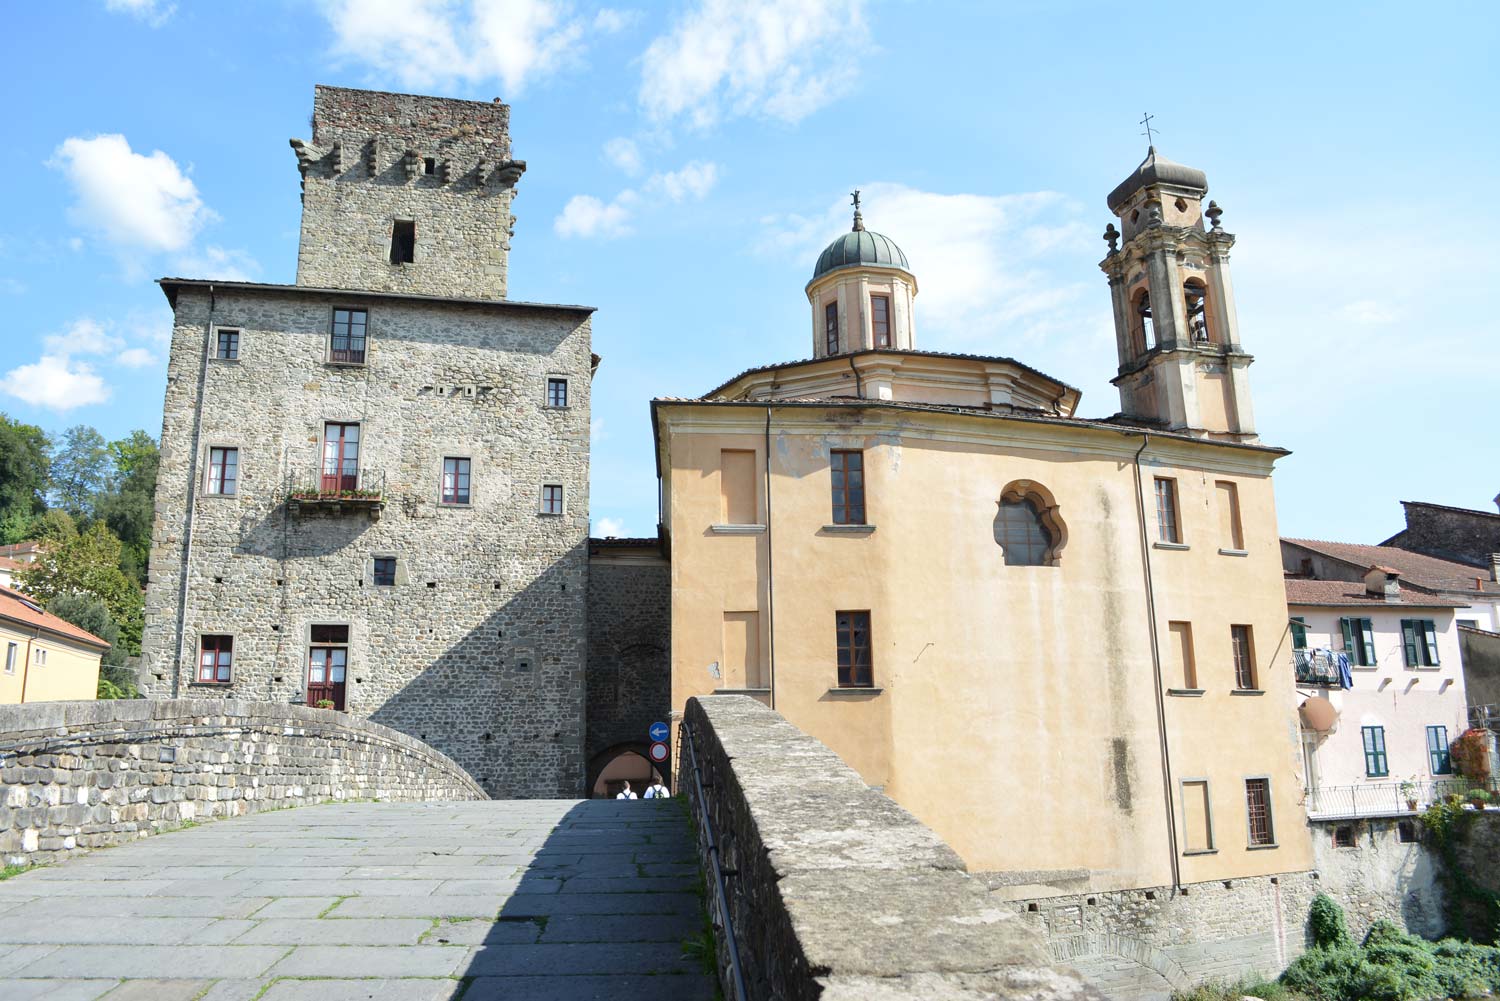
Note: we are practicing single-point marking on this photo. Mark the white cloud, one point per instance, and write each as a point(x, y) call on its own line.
point(587, 216)
point(624, 154)
point(136, 358)
point(694, 181)
point(1370, 313)
point(609, 527)
point(991, 270)
point(84, 337)
point(135, 202)
point(609, 21)
point(219, 263)
point(55, 382)
point(152, 12)
point(780, 59)
point(429, 44)
point(11, 286)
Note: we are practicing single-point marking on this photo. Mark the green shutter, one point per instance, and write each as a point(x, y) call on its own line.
point(1409, 642)
point(1348, 628)
point(1367, 635)
point(1429, 629)
point(1299, 633)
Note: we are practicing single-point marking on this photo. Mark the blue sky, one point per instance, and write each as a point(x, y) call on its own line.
point(688, 160)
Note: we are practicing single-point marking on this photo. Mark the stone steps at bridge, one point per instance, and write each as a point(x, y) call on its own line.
point(536, 899)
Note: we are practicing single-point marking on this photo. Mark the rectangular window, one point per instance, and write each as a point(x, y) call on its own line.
point(1244, 657)
point(223, 470)
point(552, 498)
point(831, 328)
point(340, 457)
point(742, 650)
point(1376, 765)
point(215, 659)
point(1166, 510)
point(1184, 667)
point(327, 664)
point(557, 393)
point(855, 670)
point(1299, 632)
point(10, 657)
point(1359, 640)
point(1231, 533)
point(1258, 810)
point(880, 320)
point(229, 345)
point(1406, 831)
point(385, 571)
point(1343, 836)
point(1419, 642)
point(737, 498)
point(403, 241)
point(1197, 822)
point(1437, 750)
point(429, 165)
point(848, 469)
point(338, 634)
point(456, 481)
point(39, 657)
point(346, 343)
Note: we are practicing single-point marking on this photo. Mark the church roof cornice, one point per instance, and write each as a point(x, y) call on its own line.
point(171, 286)
point(844, 359)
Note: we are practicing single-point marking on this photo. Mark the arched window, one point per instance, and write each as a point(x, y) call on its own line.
point(1196, 298)
point(1145, 330)
point(1028, 529)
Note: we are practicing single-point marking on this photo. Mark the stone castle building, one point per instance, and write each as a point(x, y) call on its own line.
point(374, 483)
point(1060, 642)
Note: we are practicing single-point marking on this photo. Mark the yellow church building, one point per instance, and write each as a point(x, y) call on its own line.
point(1060, 642)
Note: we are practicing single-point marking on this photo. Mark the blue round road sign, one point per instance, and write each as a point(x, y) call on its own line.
point(659, 732)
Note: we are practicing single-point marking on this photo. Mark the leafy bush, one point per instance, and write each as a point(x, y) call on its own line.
point(1394, 966)
point(1222, 990)
point(1470, 755)
point(1326, 919)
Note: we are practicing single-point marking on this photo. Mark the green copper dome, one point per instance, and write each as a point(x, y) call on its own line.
point(857, 248)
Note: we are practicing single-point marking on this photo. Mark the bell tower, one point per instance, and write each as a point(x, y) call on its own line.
point(1181, 362)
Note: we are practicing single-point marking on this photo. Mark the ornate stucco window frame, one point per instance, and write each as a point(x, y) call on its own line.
point(1047, 509)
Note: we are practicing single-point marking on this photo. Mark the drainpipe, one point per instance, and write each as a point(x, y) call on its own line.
point(1161, 706)
point(192, 496)
point(859, 386)
point(770, 568)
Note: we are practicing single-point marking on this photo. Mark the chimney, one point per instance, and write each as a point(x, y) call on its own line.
point(1495, 566)
point(1383, 582)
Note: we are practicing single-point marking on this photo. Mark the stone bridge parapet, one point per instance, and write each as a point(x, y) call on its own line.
point(838, 893)
point(80, 775)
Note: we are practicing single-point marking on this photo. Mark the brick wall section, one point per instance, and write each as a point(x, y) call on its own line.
point(839, 893)
point(81, 775)
point(462, 212)
point(630, 623)
point(479, 647)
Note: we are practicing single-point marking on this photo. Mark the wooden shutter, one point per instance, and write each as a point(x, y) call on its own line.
point(1299, 633)
point(1367, 637)
point(1348, 627)
point(1409, 642)
point(1429, 633)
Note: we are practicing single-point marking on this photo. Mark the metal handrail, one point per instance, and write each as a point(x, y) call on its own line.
point(1381, 799)
point(685, 733)
point(1316, 667)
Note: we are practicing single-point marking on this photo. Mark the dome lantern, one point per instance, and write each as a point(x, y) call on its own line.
point(861, 293)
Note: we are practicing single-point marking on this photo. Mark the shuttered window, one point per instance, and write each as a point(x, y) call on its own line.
point(1419, 642)
point(1437, 750)
point(1299, 633)
point(1359, 640)
point(1376, 764)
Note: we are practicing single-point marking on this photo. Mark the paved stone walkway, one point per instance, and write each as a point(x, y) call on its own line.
point(538, 899)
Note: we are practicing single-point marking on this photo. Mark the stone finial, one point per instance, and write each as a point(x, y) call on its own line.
point(1112, 237)
point(1214, 212)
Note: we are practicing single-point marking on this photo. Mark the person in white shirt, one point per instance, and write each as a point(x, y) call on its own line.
point(626, 793)
point(658, 791)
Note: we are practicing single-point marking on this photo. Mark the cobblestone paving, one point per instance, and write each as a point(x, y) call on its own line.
point(546, 900)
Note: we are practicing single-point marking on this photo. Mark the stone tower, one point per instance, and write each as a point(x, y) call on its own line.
point(402, 193)
point(861, 294)
point(1181, 362)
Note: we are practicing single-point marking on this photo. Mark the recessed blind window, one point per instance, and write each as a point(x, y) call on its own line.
point(855, 669)
point(1359, 640)
point(223, 470)
point(1167, 529)
point(215, 658)
point(347, 341)
point(1437, 750)
point(1258, 808)
point(455, 481)
point(880, 320)
point(1419, 642)
point(1376, 764)
point(229, 345)
point(848, 469)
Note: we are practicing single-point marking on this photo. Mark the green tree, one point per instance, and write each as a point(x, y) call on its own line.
point(116, 680)
point(128, 506)
point(55, 525)
point(89, 564)
point(80, 470)
point(25, 458)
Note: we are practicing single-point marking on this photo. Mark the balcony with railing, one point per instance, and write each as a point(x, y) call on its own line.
point(1319, 668)
point(1383, 799)
point(338, 490)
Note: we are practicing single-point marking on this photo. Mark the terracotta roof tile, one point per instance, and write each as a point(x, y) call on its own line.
point(1424, 571)
point(19, 608)
point(1302, 591)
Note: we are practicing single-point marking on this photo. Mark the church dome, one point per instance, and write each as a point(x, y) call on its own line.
point(860, 247)
point(1156, 169)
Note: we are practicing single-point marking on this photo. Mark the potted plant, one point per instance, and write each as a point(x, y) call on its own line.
point(1478, 798)
point(1409, 793)
point(324, 703)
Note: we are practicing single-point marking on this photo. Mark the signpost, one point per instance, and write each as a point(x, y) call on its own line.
point(658, 733)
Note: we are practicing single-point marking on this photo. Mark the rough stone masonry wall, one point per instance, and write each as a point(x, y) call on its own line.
point(80, 775)
point(838, 893)
point(629, 678)
point(357, 179)
point(479, 647)
point(1381, 878)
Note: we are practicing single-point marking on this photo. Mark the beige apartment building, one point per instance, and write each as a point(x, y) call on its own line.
point(1061, 642)
point(44, 658)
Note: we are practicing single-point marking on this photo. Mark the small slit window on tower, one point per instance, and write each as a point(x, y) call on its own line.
point(429, 165)
point(1196, 298)
point(403, 241)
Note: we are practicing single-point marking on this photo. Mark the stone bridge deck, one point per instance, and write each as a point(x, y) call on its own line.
point(539, 899)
